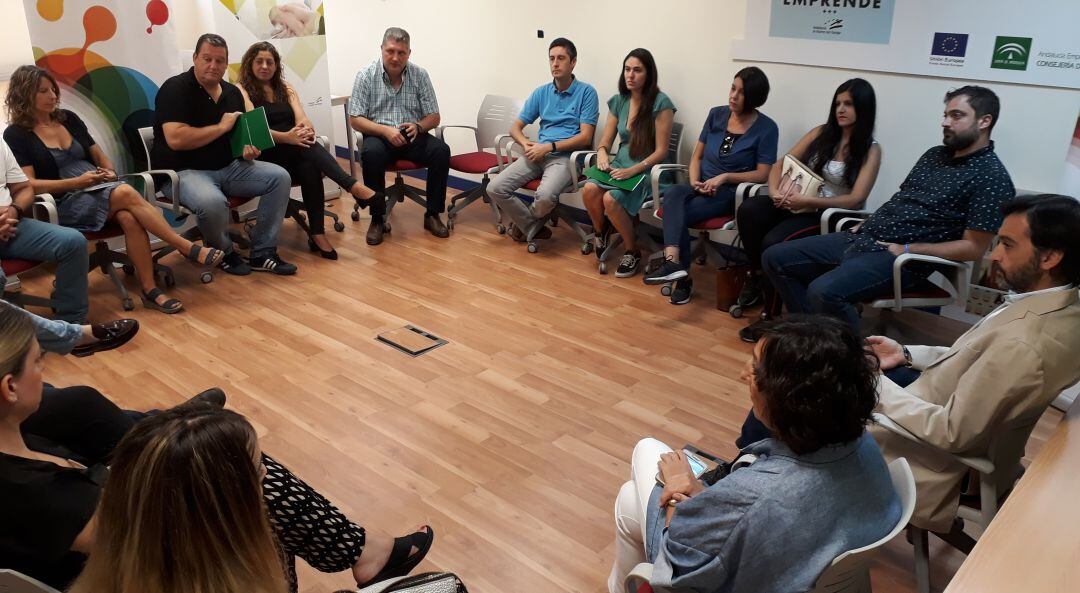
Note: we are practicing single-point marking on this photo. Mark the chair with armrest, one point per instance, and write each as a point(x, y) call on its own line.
point(398, 190)
point(956, 275)
point(497, 113)
point(44, 210)
point(997, 469)
point(12, 581)
point(717, 237)
point(849, 572)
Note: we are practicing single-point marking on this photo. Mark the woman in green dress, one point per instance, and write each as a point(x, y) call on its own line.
point(643, 142)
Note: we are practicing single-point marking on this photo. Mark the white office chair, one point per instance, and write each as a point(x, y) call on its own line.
point(16, 582)
point(849, 572)
point(998, 471)
point(496, 115)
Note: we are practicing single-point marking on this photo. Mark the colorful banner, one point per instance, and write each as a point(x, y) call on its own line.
point(988, 40)
point(109, 57)
point(860, 21)
point(297, 28)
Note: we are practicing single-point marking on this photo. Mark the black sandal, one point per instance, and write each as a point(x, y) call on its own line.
point(400, 562)
point(216, 255)
point(149, 300)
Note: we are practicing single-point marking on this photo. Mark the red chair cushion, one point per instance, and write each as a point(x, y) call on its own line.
point(109, 231)
point(532, 185)
point(474, 162)
point(237, 201)
point(644, 588)
point(934, 293)
point(403, 165)
point(14, 267)
point(711, 224)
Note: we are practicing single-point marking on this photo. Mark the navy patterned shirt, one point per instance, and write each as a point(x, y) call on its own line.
point(941, 197)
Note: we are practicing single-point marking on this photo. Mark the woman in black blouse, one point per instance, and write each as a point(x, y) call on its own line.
point(60, 157)
point(53, 469)
point(295, 148)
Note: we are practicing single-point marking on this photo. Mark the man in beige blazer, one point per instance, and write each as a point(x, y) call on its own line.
point(1005, 369)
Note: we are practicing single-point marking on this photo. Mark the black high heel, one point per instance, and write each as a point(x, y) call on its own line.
point(332, 254)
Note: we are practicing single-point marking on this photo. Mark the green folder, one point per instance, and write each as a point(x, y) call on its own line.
point(251, 128)
point(605, 178)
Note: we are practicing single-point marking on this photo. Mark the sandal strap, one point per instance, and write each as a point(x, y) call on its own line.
point(193, 253)
point(153, 294)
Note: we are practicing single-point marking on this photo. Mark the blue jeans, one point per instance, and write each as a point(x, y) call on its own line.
point(684, 207)
point(53, 335)
point(204, 193)
point(41, 241)
point(820, 275)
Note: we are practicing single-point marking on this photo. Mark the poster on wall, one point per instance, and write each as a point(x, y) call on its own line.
point(109, 58)
point(297, 29)
point(1072, 164)
point(858, 21)
point(987, 41)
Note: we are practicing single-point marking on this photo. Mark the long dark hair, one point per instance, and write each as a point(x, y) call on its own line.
point(824, 146)
point(643, 128)
point(22, 89)
point(252, 85)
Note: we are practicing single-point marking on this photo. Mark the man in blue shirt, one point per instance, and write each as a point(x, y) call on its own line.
point(568, 110)
point(948, 206)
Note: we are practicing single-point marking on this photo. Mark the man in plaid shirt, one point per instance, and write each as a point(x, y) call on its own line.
point(393, 105)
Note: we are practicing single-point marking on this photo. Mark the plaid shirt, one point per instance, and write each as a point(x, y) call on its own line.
point(374, 98)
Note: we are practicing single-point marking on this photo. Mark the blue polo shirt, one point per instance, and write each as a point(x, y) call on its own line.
point(561, 113)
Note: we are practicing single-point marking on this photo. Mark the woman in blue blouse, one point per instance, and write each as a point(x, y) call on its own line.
point(643, 142)
point(818, 488)
point(736, 145)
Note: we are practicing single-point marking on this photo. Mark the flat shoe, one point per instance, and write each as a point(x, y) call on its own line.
point(400, 562)
point(110, 335)
point(169, 307)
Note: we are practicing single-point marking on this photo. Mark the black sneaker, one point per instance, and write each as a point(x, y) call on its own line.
point(751, 333)
point(751, 292)
point(603, 238)
point(234, 264)
point(273, 264)
point(681, 292)
point(628, 265)
point(668, 271)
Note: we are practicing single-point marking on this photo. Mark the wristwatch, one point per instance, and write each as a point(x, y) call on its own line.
point(553, 149)
point(907, 355)
point(18, 211)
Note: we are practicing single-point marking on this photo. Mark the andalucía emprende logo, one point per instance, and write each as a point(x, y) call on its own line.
point(1011, 53)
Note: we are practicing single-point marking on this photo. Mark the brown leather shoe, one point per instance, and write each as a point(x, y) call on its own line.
point(434, 225)
point(112, 334)
point(375, 233)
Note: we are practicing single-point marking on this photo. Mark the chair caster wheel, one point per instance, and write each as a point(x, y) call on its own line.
point(169, 280)
point(665, 290)
point(501, 229)
point(533, 248)
point(735, 311)
point(206, 277)
point(586, 248)
point(340, 226)
point(602, 267)
point(128, 305)
point(449, 223)
point(129, 270)
point(355, 216)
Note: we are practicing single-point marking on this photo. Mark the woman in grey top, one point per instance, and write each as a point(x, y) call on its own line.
point(816, 490)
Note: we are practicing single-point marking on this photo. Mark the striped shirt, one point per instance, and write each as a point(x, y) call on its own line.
point(374, 98)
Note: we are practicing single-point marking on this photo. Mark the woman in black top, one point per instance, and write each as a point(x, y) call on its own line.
point(53, 454)
point(295, 148)
point(56, 151)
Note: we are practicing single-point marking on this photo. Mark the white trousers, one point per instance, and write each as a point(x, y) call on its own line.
point(631, 511)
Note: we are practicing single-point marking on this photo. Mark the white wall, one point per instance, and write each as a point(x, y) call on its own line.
point(15, 47)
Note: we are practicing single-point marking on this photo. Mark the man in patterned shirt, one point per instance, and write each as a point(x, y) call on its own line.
point(393, 105)
point(948, 206)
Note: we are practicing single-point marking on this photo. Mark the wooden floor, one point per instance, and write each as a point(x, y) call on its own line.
point(512, 440)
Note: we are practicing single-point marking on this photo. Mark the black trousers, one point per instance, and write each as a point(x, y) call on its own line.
point(83, 421)
point(377, 154)
point(762, 225)
point(306, 166)
point(753, 430)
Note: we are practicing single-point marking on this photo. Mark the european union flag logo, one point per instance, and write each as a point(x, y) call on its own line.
point(949, 44)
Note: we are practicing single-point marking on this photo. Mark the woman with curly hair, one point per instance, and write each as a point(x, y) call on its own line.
point(295, 149)
point(817, 488)
point(60, 157)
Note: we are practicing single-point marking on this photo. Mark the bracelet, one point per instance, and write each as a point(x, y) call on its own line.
point(907, 355)
point(553, 148)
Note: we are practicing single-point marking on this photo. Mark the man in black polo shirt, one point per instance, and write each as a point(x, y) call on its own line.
point(196, 112)
point(949, 207)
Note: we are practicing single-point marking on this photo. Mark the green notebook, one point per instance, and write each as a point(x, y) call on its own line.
point(605, 178)
point(251, 128)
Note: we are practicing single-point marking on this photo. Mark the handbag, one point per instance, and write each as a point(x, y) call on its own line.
point(798, 180)
point(425, 582)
